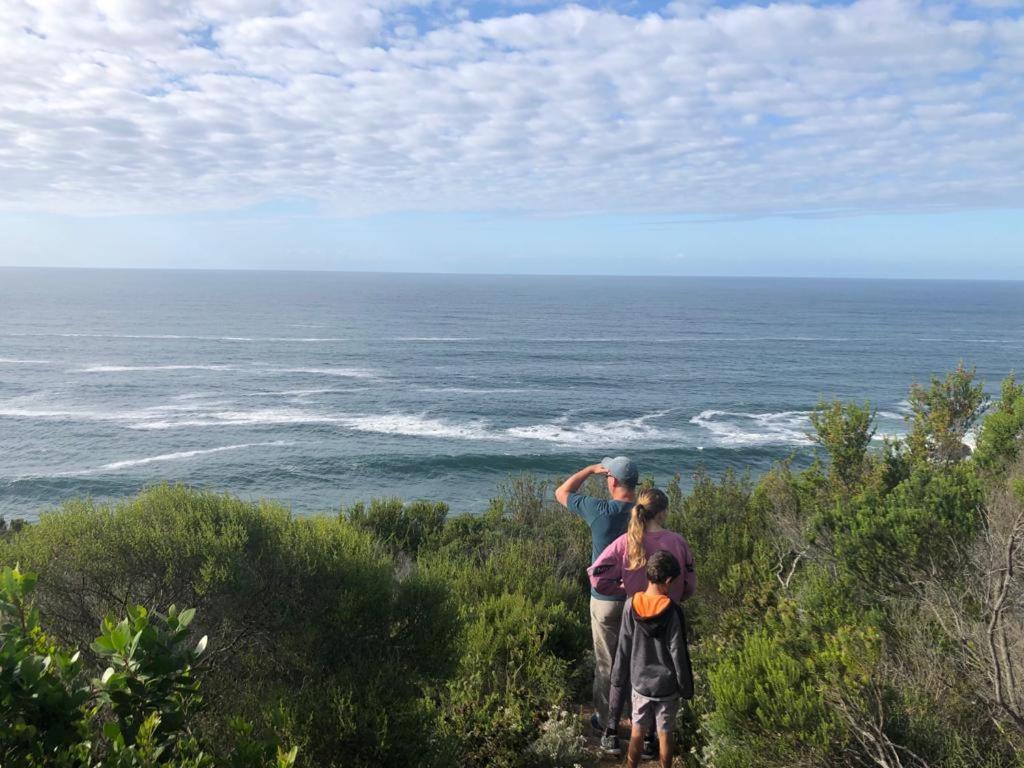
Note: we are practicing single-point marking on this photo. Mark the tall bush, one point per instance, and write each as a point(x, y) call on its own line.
point(306, 614)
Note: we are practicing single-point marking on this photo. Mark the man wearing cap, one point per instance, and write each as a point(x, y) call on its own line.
point(608, 519)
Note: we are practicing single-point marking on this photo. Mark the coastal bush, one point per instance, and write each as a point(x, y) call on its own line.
point(561, 743)
point(308, 614)
point(510, 674)
point(138, 714)
point(42, 688)
point(400, 527)
point(845, 431)
point(523, 635)
point(919, 527)
point(942, 414)
point(1002, 433)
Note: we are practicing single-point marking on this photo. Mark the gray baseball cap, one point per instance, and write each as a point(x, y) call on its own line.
point(622, 469)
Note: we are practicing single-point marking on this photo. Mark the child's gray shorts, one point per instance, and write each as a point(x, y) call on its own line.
point(647, 712)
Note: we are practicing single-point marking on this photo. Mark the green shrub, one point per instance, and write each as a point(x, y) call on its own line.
point(768, 708)
point(509, 675)
point(307, 614)
point(886, 539)
point(138, 714)
point(943, 413)
point(42, 689)
point(561, 743)
point(844, 430)
point(1002, 432)
point(400, 527)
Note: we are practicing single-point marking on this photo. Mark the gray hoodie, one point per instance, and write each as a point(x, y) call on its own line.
point(652, 657)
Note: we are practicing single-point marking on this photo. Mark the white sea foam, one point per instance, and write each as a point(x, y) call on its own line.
point(420, 425)
point(16, 361)
point(302, 392)
point(147, 336)
point(474, 390)
point(352, 373)
point(439, 338)
point(618, 431)
point(127, 463)
point(117, 466)
point(977, 341)
point(134, 417)
point(257, 417)
point(732, 428)
point(50, 413)
point(180, 337)
point(124, 368)
point(891, 415)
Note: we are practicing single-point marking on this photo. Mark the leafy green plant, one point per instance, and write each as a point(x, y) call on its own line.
point(149, 685)
point(43, 718)
point(942, 413)
point(401, 527)
point(1000, 436)
point(844, 430)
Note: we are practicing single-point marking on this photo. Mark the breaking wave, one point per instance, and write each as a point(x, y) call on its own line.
point(176, 367)
point(734, 428)
point(590, 433)
point(128, 463)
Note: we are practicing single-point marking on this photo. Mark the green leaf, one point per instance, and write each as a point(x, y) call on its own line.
point(121, 636)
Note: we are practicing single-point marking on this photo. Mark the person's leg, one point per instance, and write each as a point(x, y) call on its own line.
point(665, 723)
point(665, 745)
point(605, 617)
point(636, 741)
point(644, 710)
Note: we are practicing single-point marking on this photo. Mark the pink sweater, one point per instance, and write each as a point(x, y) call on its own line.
point(610, 576)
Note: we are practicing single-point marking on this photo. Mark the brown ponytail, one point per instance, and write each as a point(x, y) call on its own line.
point(650, 503)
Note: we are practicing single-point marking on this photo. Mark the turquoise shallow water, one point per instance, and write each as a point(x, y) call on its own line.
point(324, 388)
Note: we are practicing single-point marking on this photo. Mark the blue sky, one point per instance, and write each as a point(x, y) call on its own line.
point(834, 138)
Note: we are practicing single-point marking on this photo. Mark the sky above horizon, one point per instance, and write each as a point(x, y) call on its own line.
point(828, 138)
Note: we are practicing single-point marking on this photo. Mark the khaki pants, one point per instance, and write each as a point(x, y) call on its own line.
point(605, 618)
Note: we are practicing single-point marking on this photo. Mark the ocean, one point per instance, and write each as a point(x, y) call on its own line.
point(321, 389)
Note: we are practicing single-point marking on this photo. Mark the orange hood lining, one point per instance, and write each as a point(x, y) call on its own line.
point(649, 606)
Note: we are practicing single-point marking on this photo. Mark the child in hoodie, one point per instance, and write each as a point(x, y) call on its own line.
point(653, 658)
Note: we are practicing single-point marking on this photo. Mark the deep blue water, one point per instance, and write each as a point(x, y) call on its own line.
point(323, 388)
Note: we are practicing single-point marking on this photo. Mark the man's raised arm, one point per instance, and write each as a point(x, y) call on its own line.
point(575, 481)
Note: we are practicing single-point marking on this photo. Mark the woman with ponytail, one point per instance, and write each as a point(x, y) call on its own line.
point(620, 569)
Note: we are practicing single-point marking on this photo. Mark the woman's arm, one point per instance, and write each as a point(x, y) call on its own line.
point(606, 572)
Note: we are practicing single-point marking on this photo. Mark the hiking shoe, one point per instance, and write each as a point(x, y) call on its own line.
point(595, 723)
point(650, 750)
point(610, 744)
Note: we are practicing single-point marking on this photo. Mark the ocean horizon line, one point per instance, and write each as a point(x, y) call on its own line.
point(590, 275)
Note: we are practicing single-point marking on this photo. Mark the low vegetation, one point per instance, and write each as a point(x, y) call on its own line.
point(866, 611)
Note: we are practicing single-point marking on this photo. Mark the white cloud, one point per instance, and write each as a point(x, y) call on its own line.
point(154, 105)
